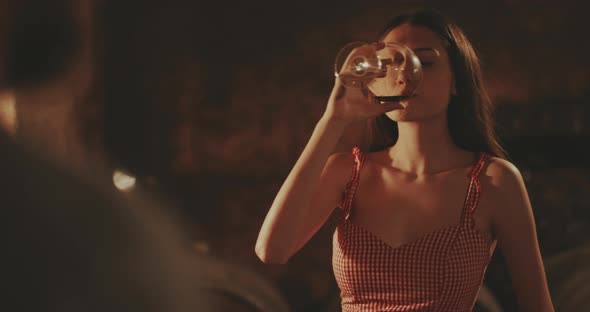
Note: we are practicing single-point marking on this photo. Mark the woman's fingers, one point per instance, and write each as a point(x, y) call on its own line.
point(372, 99)
point(378, 45)
point(338, 88)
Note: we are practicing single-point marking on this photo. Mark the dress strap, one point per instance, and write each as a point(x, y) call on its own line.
point(473, 192)
point(348, 195)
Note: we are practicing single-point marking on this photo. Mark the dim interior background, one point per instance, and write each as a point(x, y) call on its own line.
point(208, 105)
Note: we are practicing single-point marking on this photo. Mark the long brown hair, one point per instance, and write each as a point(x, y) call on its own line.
point(470, 112)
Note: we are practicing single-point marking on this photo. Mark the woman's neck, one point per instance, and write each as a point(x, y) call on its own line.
point(426, 147)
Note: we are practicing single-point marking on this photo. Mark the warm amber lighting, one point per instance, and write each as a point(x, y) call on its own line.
point(8, 119)
point(123, 181)
point(201, 247)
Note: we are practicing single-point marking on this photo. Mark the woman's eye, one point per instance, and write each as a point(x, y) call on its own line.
point(427, 64)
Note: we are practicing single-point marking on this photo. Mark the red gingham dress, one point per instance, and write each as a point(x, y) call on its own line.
point(441, 271)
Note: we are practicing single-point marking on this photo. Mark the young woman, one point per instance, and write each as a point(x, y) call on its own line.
point(429, 199)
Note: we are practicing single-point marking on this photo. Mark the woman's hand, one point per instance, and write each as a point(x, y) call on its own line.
point(350, 104)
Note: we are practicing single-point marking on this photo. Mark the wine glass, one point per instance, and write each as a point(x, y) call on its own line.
point(357, 63)
point(390, 70)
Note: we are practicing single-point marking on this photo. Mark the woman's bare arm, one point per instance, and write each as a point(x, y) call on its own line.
point(308, 196)
point(515, 228)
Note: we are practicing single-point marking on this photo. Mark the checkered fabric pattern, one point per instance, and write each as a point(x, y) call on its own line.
point(441, 271)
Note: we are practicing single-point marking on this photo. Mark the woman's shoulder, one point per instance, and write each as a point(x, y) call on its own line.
point(502, 173)
point(340, 168)
point(339, 165)
point(342, 158)
point(355, 159)
point(348, 158)
point(500, 166)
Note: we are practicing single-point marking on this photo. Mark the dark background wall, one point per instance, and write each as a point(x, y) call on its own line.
point(251, 78)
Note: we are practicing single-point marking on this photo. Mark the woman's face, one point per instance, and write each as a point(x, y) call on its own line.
point(433, 94)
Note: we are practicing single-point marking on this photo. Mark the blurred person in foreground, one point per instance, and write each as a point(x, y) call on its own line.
point(71, 243)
